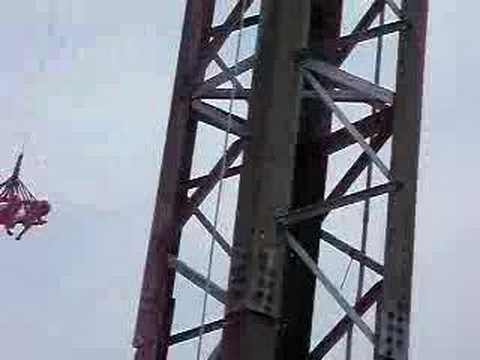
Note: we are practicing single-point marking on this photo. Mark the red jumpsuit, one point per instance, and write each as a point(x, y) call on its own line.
point(9, 211)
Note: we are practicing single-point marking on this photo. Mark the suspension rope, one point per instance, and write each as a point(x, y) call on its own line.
point(366, 208)
point(233, 94)
point(378, 66)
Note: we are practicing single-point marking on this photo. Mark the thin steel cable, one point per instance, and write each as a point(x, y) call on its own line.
point(366, 208)
point(345, 276)
point(220, 186)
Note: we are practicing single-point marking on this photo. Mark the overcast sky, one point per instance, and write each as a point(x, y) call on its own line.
point(86, 85)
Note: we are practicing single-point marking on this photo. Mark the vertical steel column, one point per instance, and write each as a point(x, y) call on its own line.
point(254, 296)
point(156, 302)
point(308, 188)
point(395, 313)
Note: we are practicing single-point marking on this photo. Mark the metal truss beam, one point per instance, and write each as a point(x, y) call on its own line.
point(223, 77)
point(330, 103)
point(225, 94)
point(285, 146)
point(219, 118)
point(341, 328)
point(344, 79)
point(369, 126)
point(328, 285)
point(231, 24)
point(365, 22)
point(393, 324)
point(212, 180)
point(195, 332)
point(358, 167)
point(339, 95)
point(197, 279)
point(352, 252)
point(232, 77)
point(202, 180)
point(247, 22)
point(211, 229)
point(296, 216)
point(364, 35)
point(395, 8)
point(372, 125)
point(339, 190)
point(343, 95)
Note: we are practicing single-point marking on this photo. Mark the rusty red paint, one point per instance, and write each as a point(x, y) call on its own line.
point(156, 305)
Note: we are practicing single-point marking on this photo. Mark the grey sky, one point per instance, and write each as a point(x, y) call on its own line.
point(88, 84)
point(91, 92)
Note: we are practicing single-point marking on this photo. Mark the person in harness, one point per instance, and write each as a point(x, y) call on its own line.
point(9, 210)
point(18, 206)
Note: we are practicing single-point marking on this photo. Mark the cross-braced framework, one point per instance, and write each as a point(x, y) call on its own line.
point(292, 152)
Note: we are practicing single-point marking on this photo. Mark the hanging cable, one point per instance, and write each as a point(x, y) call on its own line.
point(347, 272)
point(222, 175)
point(378, 65)
point(366, 208)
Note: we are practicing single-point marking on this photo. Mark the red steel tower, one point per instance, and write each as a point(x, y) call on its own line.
point(310, 112)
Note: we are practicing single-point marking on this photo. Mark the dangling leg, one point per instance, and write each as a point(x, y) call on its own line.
point(9, 227)
point(7, 220)
point(24, 230)
point(10, 215)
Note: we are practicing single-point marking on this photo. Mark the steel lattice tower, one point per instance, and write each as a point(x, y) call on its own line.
point(289, 145)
